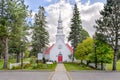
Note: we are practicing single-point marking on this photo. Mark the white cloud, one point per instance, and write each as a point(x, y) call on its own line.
point(77, 1)
point(88, 12)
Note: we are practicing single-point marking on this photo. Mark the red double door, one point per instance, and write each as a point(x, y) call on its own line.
point(60, 58)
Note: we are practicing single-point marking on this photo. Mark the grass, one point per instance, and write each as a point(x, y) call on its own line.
point(9, 61)
point(1, 64)
point(109, 66)
point(76, 67)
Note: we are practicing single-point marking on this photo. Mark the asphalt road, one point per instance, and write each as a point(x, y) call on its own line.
point(24, 75)
point(77, 75)
point(95, 75)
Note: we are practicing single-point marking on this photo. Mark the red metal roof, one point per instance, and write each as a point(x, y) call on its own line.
point(48, 50)
point(70, 48)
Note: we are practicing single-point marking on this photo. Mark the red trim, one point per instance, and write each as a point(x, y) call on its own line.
point(48, 50)
point(69, 47)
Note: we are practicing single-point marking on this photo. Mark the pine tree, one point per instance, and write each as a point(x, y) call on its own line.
point(83, 35)
point(40, 34)
point(109, 26)
point(18, 31)
point(11, 20)
point(4, 29)
point(76, 27)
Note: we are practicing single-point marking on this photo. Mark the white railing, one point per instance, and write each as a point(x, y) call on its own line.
point(17, 64)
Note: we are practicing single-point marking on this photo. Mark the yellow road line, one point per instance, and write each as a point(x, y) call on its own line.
point(51, 75)
point(68, 74)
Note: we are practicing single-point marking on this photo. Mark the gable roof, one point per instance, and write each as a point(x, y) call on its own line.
point(68, 46)
point(48, 50)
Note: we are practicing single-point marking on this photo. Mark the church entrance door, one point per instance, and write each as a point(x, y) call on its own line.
point(60, 58)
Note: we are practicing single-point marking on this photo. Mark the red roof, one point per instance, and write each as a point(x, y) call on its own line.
point(48, 50)
point(70, 48)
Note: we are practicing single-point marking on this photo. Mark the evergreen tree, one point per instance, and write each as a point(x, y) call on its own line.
point(4, 29)
point(40, 34)
point(83, 35)
point(109, 26)
point(12, 17)
point(76, 27)
point(18, 31)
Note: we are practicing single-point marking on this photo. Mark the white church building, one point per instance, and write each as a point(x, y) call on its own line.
point(59, 51)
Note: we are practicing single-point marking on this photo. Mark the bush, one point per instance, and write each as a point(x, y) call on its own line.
point(34, 66)
point(44, 61)
point(32, 60)
point(40, 66)
point(26, 65)
point(16, 67)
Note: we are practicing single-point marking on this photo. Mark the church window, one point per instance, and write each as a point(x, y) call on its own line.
point(60, 46)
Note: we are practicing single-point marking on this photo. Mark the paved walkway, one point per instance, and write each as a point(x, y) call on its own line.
point(60, 73)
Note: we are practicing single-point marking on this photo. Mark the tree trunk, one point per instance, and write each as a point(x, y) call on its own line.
point(96, 59)
point(18, 58)
point(116, 49)
point(0, 55)
point(6, 53)
point(102, 65)
point(73, 55)
point(115, 59)
point(81, 61)
point(88, 62)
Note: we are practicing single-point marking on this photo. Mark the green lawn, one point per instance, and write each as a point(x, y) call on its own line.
point(76, 66)
point(109, 66)
point(10, 61)
point(1, 64)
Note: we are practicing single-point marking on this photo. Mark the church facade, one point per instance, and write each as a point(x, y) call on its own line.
point(60, 51)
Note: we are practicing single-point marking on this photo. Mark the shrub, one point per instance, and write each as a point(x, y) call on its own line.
point(44, 61)
point(26, 65)
point(32, 60)
point(16, 67)
point(34, 67)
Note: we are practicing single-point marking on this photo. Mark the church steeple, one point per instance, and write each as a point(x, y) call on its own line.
point(60, 20)
point(60, 34)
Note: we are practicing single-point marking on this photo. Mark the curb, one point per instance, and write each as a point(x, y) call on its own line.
point(92, 71)
point(25, 70)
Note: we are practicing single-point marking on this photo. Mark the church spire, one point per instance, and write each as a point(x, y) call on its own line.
point(60, 34)
point(59, 20)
